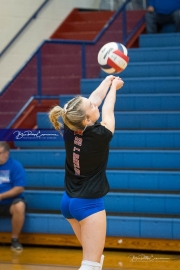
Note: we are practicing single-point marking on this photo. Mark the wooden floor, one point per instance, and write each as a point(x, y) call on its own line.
point(38, 258)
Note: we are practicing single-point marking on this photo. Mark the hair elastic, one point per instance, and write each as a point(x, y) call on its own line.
point(65, 108)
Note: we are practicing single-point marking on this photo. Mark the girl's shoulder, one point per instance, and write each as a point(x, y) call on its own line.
point(99, 131)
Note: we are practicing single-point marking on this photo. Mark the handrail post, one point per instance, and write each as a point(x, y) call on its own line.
point(83, 58)
point(124, 33)
point(39, 74)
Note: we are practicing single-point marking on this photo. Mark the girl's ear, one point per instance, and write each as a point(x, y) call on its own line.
point(85, 122)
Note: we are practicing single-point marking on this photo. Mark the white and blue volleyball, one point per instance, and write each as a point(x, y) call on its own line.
point(113, 58)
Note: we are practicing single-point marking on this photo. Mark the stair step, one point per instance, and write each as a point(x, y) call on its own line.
point(122, 226)
point(92, 15)
point(81, 26)
point(79, 21)
point(118, 179)
point(150, 69)
point(121, 159)
point(77, 36)
point(154, 54)
point(160, 40)
point(147, 120)
point(142, 85)
point(88, 27)
point(119, 202)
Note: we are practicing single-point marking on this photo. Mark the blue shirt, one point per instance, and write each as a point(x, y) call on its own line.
point(12, 174)
point(164, 6)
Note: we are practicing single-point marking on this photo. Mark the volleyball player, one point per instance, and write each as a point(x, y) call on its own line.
point(87, 149)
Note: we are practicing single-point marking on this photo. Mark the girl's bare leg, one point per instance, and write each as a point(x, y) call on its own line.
point(93, 233)
point(76, 228)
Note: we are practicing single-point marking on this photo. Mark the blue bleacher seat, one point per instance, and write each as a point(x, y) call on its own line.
point(162, 40)
point(118, 159)
point(115, 202)
point(122, 226)
point(118, 179)
point(143, 85)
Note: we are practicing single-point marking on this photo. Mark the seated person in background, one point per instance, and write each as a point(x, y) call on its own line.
point(162, 12)
point(12, 183)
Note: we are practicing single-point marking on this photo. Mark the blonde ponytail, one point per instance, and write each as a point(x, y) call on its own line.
point(54, 115)
point(72, 115)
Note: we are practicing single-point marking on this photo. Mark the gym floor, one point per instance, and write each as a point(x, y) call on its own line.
point(42, 258)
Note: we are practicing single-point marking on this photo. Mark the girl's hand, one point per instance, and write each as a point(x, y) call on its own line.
point(118, 83)
point(109, 79)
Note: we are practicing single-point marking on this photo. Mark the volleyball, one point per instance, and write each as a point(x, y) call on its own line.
point(113, 58)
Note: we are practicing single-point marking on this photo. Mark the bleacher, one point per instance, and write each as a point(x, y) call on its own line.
point(144, 161)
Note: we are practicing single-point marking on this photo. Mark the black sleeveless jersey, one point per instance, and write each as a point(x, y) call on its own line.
point(86, 161)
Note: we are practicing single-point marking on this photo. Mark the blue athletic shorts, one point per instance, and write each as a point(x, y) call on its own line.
point(80, 208)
